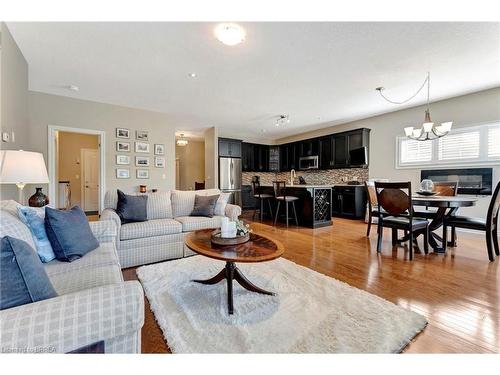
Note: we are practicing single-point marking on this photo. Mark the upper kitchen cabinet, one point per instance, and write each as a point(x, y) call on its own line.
point(326, 152)
point(229, 148)
point(247, 157)
point(289, 156)
point(308, 147)
point(261, 158)
point(274, 158)
point(334, 149)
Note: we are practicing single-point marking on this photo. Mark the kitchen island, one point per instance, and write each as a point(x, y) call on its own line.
point(313, 207)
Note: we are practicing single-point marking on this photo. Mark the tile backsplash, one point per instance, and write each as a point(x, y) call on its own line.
point(316, 177)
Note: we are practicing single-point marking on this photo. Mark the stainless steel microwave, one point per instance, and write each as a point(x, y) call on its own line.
point(308, 162)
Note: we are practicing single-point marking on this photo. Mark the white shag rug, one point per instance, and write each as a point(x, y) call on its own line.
point(311, 313)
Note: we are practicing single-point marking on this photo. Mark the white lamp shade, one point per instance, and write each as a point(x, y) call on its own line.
point(446, 126)
point(409, 131)
point(22, 167)
point(428, 126)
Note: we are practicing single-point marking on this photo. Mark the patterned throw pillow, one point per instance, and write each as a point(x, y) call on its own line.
point(204, 205)
point(34, 218)
point(23, 278)
point(69, 233)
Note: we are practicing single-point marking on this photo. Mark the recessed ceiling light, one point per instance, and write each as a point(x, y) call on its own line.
point(73, 88)
point(193, 75)
point(230, 34)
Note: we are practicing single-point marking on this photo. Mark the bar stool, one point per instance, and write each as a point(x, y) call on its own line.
point(280, 195)
point(261, 197)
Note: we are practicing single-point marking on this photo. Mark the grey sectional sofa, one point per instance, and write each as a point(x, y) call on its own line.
point(162, 236)
point(93, 304)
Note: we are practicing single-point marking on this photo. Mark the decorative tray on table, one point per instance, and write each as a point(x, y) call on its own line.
point(218, 240)
point(426, 193)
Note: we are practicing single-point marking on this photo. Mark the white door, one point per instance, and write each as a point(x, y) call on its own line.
point(90, 179)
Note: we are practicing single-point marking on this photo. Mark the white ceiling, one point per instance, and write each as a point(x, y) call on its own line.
point(315, 72)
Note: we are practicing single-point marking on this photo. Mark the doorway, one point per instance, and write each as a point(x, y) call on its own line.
point(76, 168)
point(190, 164)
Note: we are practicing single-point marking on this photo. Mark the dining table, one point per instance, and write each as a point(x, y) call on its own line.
point(446, 206)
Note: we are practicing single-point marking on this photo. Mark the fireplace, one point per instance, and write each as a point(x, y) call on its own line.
point(474, 181)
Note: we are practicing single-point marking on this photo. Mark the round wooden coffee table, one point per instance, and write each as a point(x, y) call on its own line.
point(259, 249)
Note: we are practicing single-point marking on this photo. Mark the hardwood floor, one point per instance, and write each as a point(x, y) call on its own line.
point(458, 292)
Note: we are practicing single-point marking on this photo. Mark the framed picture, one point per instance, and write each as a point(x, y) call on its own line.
point(122, 160)
point(122, 173)
point(122, 133)
point(122, 146)
point(142, 174)
point(141, 135)
point(159, 162)
point(142, 161)
point(159, 149)
point(142, 147)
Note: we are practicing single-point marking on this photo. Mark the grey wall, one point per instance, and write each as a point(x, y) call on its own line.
point(466, 110)
point(45, 110)
point(14, 100)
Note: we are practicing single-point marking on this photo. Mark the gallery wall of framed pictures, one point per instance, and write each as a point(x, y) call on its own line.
point(140, 146)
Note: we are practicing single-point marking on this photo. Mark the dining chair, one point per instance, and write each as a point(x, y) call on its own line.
point(395, 199)
point(281, 196)
point(373, 208)
point(490, 225)
point(261, 197)
point(199, 185)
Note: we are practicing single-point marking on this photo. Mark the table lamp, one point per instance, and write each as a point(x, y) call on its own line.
point(21, 168)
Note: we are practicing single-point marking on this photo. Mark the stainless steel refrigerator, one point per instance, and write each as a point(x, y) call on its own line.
point(230, 178)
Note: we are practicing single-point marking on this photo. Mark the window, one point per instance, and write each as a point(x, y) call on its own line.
point(462, 146)
point(459, 146)
point(415, 151)
point(494, 142)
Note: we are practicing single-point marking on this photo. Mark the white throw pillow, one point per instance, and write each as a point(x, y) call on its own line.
point(220, 206)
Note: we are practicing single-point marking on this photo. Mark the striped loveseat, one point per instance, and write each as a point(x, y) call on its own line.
point(161, 237)
point(93, 305)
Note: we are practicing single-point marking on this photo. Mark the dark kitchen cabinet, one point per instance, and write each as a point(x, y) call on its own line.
point(308, 147)
point(274, 158)
point(229, 148)
point(247, 157)
point(261, 158)
point(289, 156)
point(341, 154)
point(326, 152)
point(293, 155)
point(349, 201)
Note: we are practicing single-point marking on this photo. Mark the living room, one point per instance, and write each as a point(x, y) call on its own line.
point(241, 186)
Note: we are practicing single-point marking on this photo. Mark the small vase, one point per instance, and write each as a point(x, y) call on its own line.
point(38, 199)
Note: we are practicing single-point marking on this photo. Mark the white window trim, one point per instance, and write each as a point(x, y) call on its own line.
point(434, 163)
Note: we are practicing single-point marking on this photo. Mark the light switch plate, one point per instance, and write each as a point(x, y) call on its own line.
point(5, 137)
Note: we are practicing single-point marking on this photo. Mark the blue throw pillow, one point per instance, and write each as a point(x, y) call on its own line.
point(34, 218)
point(22, 276)
point(69, 233)
point(132, 208)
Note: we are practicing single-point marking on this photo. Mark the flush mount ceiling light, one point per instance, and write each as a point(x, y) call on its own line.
point(428, 130)
point(182, 141)
point(73, 87)
point(193, 75)
point(230, 34)
point(282, 120)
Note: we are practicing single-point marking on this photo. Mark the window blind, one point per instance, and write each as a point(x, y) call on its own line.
point(464, 145)
point(494, 142)
point(412, 151)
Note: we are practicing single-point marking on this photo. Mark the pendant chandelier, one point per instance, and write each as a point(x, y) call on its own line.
point(182, 141)
point(428, 130)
